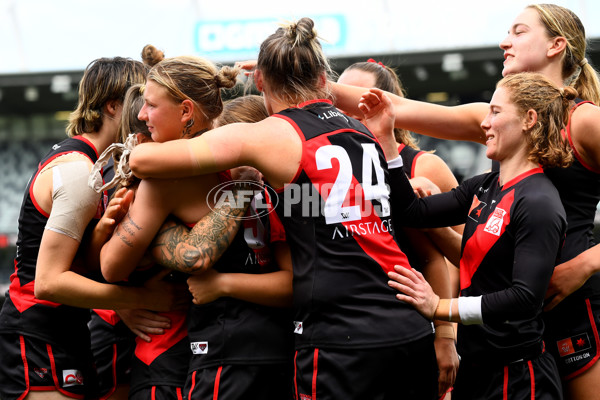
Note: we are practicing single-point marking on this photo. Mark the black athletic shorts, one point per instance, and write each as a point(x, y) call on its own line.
point(160, 392)
point(30, 364)
point(535, 378)
point(571, 334)
point(408, 371)
point(234, 382)
point(112, 348)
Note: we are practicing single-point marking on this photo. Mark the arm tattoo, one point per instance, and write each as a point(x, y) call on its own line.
point(195, 250)
point(126, 230)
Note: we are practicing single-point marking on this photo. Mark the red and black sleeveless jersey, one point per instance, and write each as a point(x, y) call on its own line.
point(22, 312)
point(337, 218)
point(579, 188)
point(409, 157)
point(512, 239)
point(232, 331)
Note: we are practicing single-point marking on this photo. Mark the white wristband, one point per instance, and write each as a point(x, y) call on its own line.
point(469, 310)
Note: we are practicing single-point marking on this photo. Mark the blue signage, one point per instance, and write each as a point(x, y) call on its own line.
point(240, 39)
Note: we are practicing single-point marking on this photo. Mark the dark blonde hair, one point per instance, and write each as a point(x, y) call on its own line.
point(104, 80)
point(387, 79)
point(250, 108)
point(292, 62)
point(576, 71)
point(196, 79)
point(132, 104)
point(533, 91)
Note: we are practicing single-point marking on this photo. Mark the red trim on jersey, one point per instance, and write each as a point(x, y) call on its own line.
point(315, 371)
point(153, 393)
point(79, 137)
point(413, 167)
point(596, 338)
point(42, 166)
point(531, 379)
point(568, 134)
point(179, 393)
point(217, 382)
point(314, 101)
point(108, 316)
point(23, 297)
point(519, 178)
point(480, 243)
point(303, 138)
point(148, 352)
point(33, 199)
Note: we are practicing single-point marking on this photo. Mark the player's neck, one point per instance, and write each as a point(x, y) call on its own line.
point(511, 168)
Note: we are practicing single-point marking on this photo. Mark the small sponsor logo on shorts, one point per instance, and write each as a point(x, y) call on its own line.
point(298, 327)
point(304, 396)
point(72, 377)
point(41, 372)
point(199, 347)
point(573, 344)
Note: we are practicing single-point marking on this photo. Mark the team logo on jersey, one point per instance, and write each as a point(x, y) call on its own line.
point(41, 372)
point(304, 396)
point(199, 347)
point(573, 344)
point(476, 208)
point(494, 223)
point(298, 327)
point(72, 377)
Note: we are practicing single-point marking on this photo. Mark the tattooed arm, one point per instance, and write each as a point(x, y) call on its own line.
point(125, 249)
point(193, 251)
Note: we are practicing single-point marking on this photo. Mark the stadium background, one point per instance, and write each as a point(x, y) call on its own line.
point(36, 96)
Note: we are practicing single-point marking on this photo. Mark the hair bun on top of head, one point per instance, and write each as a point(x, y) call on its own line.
point(151, 55)
point(226, 77)
point(302, 31)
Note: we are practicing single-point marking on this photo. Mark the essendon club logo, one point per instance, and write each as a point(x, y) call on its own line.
point(41, 372)
point(298, 327)
point(476, 208)
point(199, 347)
point(494, 224)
